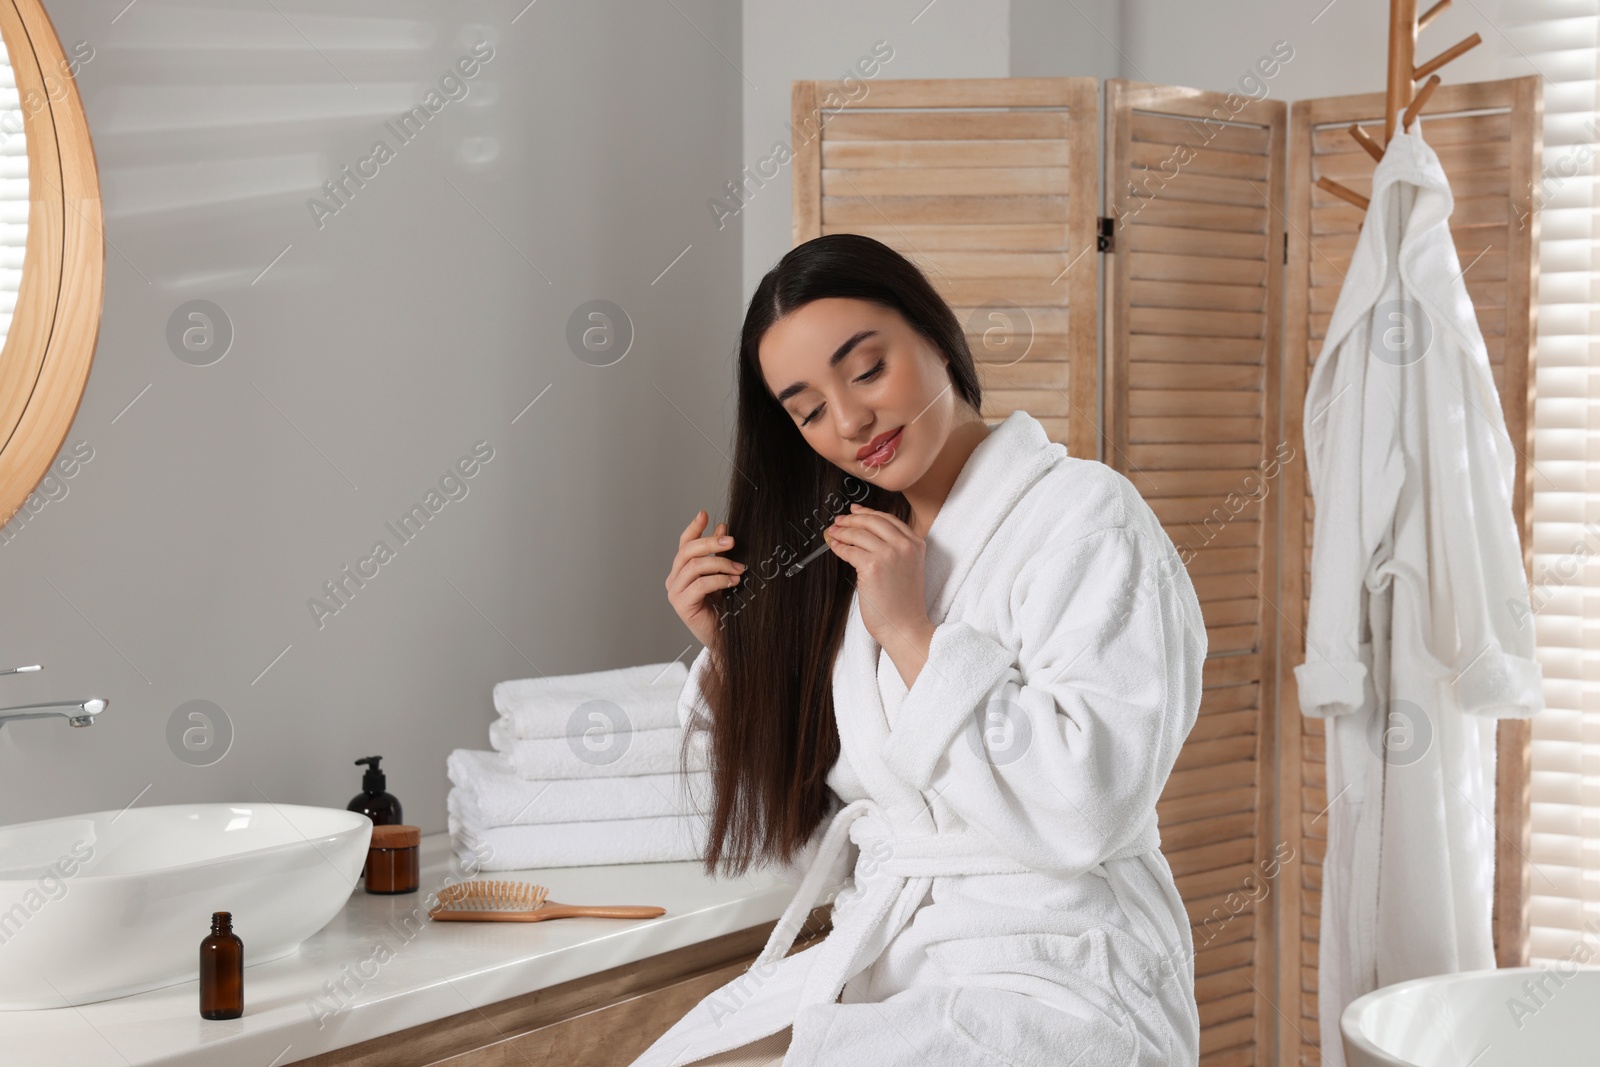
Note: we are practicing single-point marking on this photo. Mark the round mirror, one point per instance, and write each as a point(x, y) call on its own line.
point(52, 249)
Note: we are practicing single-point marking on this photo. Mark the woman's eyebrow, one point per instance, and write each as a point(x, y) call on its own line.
point(833, 361)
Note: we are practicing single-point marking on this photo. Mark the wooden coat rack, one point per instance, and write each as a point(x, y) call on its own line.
point(1403, 77)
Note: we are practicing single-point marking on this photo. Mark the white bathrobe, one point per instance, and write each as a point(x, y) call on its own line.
point(1009, 901)
point(1419, 624)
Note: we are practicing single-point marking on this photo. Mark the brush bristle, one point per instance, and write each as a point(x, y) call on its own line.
point(492, 896)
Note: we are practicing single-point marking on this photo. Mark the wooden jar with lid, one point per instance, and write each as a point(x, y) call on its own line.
point(392, 864)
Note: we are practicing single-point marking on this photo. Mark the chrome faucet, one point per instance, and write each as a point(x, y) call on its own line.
point(78, 713)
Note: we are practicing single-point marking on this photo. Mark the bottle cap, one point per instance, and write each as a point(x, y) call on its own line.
point(373, 781)
point(398, 835)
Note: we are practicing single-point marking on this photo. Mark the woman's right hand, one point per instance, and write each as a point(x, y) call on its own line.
point(697, 571)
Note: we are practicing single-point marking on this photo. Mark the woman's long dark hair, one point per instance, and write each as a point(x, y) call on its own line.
point(772, 737)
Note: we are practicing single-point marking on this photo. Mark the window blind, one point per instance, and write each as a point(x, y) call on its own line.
point(13, 193)
point(1561, 39)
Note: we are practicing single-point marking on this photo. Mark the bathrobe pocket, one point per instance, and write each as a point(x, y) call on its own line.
point(1045, 997)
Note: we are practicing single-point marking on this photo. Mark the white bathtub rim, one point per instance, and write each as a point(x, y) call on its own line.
point(1350, 1031)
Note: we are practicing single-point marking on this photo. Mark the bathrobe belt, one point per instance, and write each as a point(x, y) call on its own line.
point(892, 874)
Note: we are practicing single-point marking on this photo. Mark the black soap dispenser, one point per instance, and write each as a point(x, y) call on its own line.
point(382, 808)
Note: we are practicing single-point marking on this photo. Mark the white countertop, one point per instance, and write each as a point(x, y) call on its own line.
point(369, 973)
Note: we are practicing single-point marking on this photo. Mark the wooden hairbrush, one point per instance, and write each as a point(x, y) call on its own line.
point(521, 902)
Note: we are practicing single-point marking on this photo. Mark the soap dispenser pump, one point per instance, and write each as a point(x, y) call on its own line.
point(377, 805)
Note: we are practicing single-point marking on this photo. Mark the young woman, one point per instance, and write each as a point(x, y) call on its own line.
point(982, 684)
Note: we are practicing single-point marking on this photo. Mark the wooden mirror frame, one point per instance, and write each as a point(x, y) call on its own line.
point(44, 364)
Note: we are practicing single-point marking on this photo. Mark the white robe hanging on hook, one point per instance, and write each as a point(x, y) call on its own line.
point(1420, 633)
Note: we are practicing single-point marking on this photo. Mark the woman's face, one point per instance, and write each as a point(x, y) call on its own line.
point(852, 374)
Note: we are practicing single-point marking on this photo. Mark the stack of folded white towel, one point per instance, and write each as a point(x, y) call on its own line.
point(585, 770)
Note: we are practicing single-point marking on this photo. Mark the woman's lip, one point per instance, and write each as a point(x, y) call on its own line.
point(882, 452)
point(876, 443)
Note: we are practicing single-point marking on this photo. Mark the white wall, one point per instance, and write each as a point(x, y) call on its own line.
point(785, 41)
point(1340, 47)
point(423, 317)
point(1053, 39)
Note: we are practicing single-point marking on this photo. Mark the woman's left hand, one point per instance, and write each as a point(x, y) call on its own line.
point(887, 556)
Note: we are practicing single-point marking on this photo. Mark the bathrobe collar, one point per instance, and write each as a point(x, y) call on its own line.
point(1409, 163)
point(996, 476)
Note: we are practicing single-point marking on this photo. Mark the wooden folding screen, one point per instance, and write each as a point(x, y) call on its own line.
point(1194, 192)
point(993, 187)
point(989, 185)
point(1487, 137)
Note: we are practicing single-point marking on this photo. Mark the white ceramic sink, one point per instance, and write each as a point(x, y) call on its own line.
point(1513, 1017)
point(111, 903)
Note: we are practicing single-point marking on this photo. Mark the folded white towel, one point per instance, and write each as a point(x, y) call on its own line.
point(598, 754)
point(643, 697)
point(658, 839)
point(488, 793)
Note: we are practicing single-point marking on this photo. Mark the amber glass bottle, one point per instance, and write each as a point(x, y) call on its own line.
point(222, 970)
